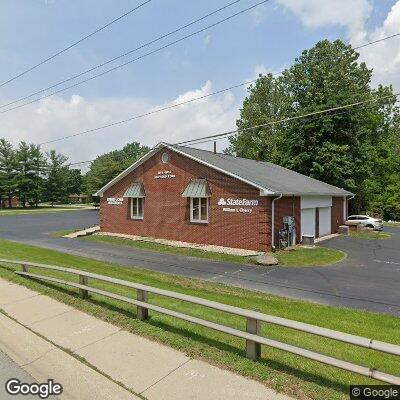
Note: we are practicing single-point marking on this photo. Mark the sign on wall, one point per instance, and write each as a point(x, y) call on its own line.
point(244, 206)
point(164, 175)
point(115, 200)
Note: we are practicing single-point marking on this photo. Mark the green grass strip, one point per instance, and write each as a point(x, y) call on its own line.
point(280, 370)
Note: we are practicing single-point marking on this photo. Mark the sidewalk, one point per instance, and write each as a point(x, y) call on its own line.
point(118, 365)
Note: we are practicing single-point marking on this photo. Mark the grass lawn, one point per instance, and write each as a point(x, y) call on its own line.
point(395, 224)
point(302, 378)
point(303, 257)
point(370, 235)
point(300, 257)
point(168, 249)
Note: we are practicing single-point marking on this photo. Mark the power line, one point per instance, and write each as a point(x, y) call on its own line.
point(140, 57)
point(148, 113)
point(75, 43)
point(378, 41)
point(296, 117)
point(313, 115)
point(122, 55)
point(134, 50)
point(175, 105)
point(228, 134)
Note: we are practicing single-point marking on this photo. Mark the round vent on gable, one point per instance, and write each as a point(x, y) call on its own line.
point(165, 158)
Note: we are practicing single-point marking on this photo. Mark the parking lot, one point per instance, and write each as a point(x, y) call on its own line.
point(368, 279)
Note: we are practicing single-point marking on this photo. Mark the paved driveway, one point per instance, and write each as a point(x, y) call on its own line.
point(368, 279)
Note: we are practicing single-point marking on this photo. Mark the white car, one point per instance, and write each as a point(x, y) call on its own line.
point(367, 221)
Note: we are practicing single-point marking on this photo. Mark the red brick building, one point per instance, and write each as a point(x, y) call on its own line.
point(191, 195)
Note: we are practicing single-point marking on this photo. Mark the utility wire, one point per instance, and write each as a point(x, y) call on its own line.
point(148, 113)
point(223, 137)
point(140, 57)
point(138, 48)
point(314, 116)
point(122, 55)
point(75, 43)
point(171, 106)
point(296, 117)
point(378, 41)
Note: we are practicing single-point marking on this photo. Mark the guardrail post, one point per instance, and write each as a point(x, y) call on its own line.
point(83, 280)
point(142, 312)
point(24, 268)
point(253, 349)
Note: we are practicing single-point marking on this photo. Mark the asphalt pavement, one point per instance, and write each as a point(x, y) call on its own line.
point(368, 279)
point(9, 369)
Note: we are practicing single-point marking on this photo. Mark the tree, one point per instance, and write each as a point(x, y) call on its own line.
point(7, 171)
point(27, 173)
point(57, 177)
point(74, 181)
point(40, 165)
point(109, 165)
point(267, 101)
point(336, 147)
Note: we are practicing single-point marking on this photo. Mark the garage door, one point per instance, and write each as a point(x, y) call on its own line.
point(325, 221)
point(308, 221)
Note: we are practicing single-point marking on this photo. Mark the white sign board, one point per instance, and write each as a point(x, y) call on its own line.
point(246, 205)
point(115, 200)
point(164, 175)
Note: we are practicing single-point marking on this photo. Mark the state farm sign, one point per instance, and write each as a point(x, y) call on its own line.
point(246, 205)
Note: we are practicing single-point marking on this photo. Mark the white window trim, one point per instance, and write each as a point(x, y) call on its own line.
point(199, 221)
point(137, 216)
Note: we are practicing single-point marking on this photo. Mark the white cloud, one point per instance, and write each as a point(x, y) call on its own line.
point(383, 57)
point(258, 14)
point(56, 117)
point(321, 13)
point(206, 41)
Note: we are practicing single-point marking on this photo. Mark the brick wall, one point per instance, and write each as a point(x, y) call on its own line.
point(166, 212)
point(337, 213)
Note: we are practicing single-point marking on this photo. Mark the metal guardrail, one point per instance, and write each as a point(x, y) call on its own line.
point(252, 335)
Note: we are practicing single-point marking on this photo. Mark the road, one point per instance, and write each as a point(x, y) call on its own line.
point(9, 369)
point(368, 279)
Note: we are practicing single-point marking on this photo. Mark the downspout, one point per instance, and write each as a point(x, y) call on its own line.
point(347, 205)
point(273, 219)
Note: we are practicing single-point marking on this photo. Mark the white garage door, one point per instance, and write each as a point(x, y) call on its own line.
point(308, 221)
point(325, 221)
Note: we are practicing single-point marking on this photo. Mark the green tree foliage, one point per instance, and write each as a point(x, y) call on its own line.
point(26, 173)
point(347, 148)
point(74, 181)
point(57, 178)
point(7, 171)
point(109, 165)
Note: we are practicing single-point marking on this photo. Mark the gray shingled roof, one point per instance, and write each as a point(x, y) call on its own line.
point(264, 174)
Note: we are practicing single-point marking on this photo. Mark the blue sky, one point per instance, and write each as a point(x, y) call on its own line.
point(265, 39)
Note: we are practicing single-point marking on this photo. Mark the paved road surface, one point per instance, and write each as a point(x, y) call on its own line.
point(9, 369)
point(368, 279)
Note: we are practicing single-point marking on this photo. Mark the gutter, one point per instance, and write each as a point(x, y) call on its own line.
point(273, 220)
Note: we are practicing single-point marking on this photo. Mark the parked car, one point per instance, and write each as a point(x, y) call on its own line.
point(367, 221)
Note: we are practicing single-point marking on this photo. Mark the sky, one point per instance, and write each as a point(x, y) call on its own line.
point(265, 39)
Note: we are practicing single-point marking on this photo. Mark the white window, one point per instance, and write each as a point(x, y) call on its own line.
point(137, 207)
point(199, 209)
